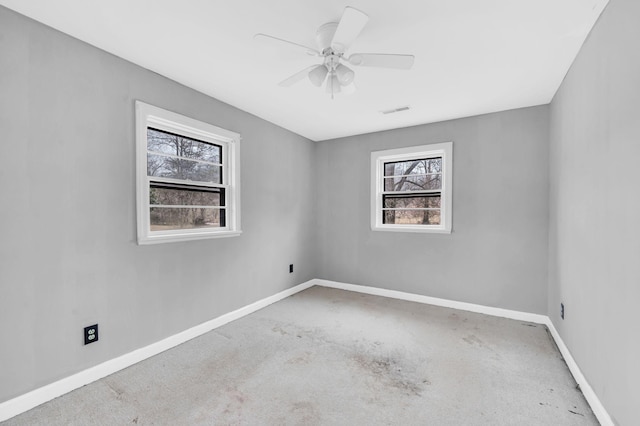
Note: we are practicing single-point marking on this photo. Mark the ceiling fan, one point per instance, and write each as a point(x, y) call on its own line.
point(333, 40)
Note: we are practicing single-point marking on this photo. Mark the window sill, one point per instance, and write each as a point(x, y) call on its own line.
point(174, 238)
point(416, 229)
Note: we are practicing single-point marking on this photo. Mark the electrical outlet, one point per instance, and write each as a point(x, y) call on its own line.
point(291, 268)
point(562, 310)
point(91, 334)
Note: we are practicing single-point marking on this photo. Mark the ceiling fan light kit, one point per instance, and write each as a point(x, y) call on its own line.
point(333, 40)
point(345, 74)
point(318, 74)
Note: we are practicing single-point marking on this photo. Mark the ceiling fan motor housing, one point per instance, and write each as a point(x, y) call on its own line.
point(324, 39)
point(338, 74)
point(324, 36)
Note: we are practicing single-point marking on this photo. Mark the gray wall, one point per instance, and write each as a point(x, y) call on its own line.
point(594, 260)
point(497, 252)
point(67, 223)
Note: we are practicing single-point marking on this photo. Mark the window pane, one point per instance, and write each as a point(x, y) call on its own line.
point(411, 202)
point(176, 168)
point(412, 167)
point(161, 194)
point(164, 219)
point(411, 217)
point(168, 143)
point(413, 183)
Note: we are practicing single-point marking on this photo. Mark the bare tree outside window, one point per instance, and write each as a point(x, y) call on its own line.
point(412, 192)
point(180, 205)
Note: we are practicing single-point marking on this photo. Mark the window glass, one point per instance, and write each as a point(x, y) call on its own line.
point(179, 168)
point(165, 219)
point(411, 189)
point(188, 187)
point(162, 142)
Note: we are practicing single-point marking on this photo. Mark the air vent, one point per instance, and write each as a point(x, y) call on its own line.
point(391, 111)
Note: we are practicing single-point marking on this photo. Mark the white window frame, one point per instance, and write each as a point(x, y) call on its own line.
point(161, 119)
point(378, 158)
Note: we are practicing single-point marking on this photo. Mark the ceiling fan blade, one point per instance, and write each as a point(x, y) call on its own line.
point(382, 60)
point(271, 40)
point(350, 25)
point(300, 75)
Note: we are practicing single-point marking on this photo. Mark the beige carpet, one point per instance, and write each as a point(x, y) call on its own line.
point(326, 356)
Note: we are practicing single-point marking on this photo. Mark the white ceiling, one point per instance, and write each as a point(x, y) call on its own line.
point(471, 57)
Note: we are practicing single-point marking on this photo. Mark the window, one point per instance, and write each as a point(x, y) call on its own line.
point(411, 189)
point(187, 178)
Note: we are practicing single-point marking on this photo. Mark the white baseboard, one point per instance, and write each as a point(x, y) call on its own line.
point(25, 402)
point(411, 297)
point(32, 399)
point(591, 397)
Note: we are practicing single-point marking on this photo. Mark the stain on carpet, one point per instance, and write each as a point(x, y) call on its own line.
point(305, 413)
point(392, 371)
